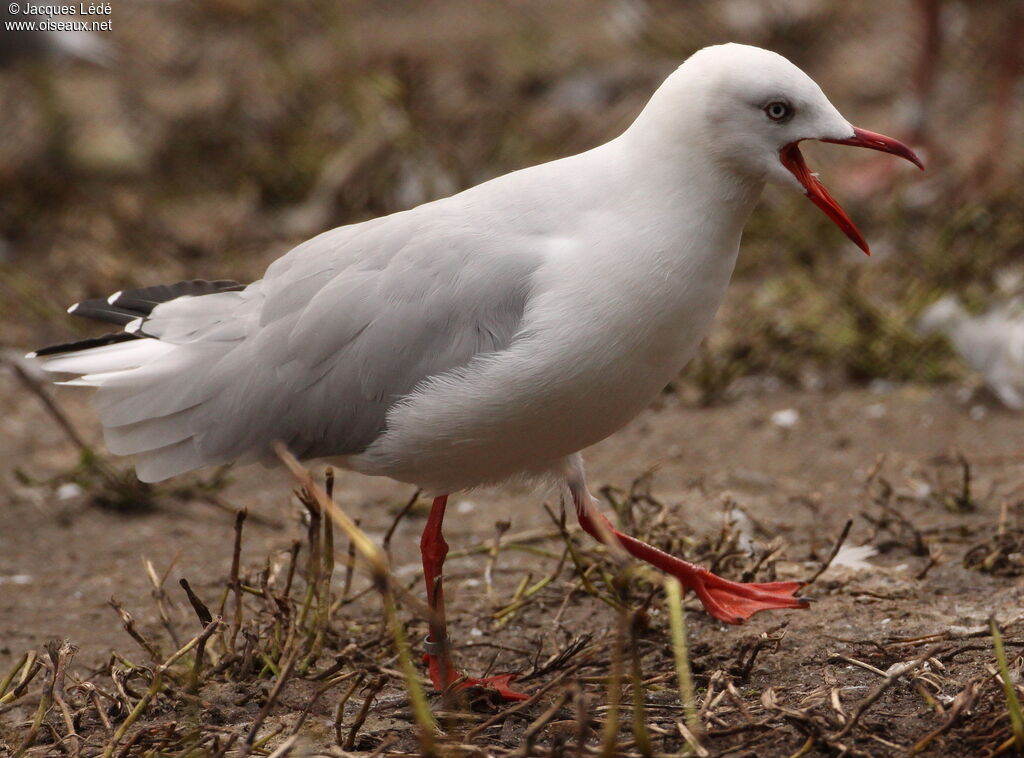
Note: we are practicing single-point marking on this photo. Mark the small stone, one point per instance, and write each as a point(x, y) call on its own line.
point(786, 418)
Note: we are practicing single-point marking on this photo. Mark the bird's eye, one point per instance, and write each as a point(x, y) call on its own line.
point(778, 111)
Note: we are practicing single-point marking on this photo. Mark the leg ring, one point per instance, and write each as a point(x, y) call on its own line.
point(430, 647)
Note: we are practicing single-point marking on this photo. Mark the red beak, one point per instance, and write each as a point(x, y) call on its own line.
point(793, 160)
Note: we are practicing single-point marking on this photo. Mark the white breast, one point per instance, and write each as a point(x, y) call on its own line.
point(619, 307)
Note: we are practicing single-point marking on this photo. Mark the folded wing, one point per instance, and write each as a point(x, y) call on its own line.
point(314, 354)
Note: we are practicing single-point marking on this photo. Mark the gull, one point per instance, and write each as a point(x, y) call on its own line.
point(488, 335)
point(992, 343)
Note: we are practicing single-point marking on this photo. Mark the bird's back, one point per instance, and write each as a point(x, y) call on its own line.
point(316, 352)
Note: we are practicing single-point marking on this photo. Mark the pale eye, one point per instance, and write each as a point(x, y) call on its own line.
point(778, 111)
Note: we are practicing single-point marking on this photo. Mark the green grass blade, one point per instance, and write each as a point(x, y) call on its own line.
point(1012, 702)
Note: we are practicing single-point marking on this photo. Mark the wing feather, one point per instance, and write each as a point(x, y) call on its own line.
point(315, 353)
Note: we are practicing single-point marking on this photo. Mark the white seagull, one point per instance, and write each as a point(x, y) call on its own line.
point(492, 334)
point(992, 343)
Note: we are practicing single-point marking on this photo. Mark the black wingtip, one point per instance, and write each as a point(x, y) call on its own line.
point(71, 347)
point(130, 308)
point(125, 306)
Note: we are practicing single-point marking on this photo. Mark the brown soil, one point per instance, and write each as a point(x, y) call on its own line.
point(888, 461)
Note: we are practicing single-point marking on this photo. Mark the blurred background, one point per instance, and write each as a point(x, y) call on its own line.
point(204, 139)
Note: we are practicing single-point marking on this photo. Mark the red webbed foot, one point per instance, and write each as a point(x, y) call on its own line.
point(731, 602)
point(735, 602)
point(500, 683)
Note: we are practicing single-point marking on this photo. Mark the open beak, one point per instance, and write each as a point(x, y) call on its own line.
point(793, 160)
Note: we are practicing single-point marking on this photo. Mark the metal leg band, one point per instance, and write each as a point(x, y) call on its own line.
point(432, 648)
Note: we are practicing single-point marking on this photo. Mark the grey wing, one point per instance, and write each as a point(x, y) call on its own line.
point(317, 352)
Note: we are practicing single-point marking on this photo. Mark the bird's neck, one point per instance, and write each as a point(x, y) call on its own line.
point(690, 210)
point(685, 220)
point(673, 157)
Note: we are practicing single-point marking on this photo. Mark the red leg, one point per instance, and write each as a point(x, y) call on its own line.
point(433, 550)
point(731, 602)
point(443, 673)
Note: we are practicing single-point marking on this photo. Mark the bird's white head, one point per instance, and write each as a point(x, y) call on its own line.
point(749, 109)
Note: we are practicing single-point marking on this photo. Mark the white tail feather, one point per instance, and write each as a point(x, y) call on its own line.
point(150, 434)
point(120, 356)
point(151, 390)
point(163, 445)
point(165, 462)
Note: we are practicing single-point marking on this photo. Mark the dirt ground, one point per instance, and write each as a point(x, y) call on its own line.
point(888, 459)
point(228, 131)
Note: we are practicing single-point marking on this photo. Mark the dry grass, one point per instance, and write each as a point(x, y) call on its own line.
point(242, 128)
point(286, 661)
